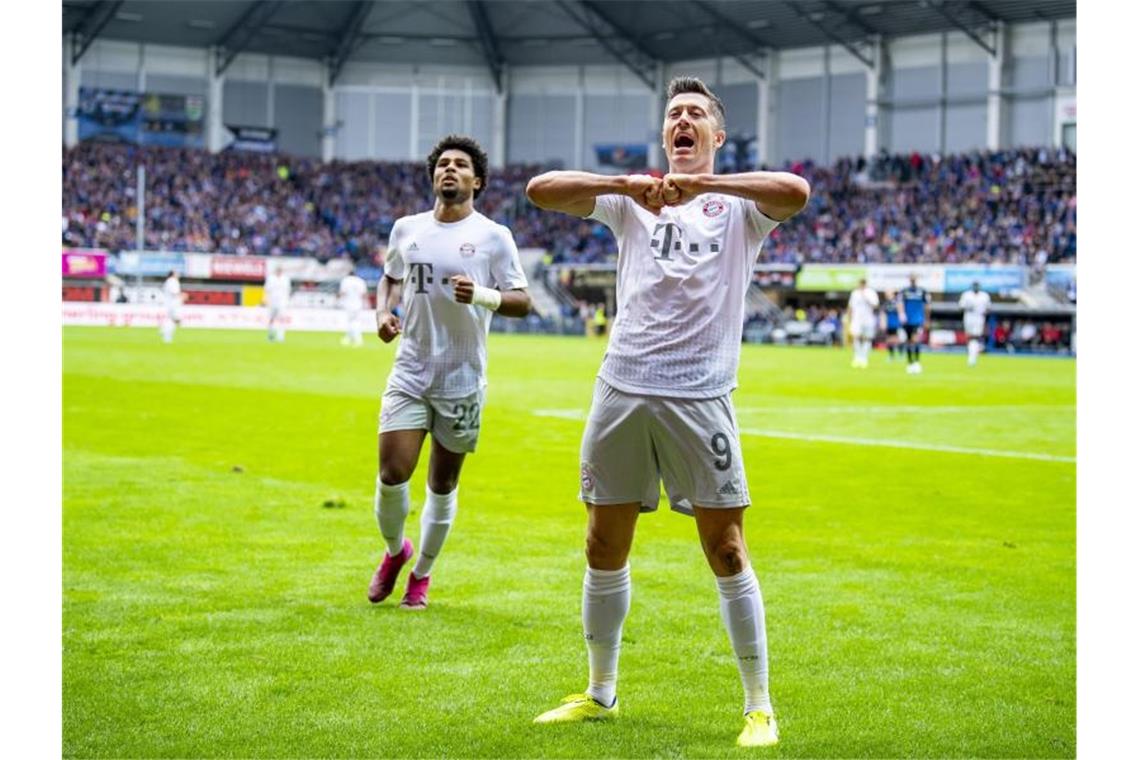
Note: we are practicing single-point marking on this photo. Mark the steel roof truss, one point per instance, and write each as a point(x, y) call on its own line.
point(487, 41)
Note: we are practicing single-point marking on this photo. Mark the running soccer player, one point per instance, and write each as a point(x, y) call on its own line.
point(975, 303)
point(662, 408)
point(278, 288)
point(353, 292)
point(449, 268)
point(914, 315)
point(861, 308)
point(173, 298)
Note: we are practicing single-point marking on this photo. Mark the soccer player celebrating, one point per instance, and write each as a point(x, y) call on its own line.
point(975, 303)
point(449, 268)
point(914, 315)
point(662, 408)
point(353, 292)
point(861, 308)
point(173, 298)
point(278, 288)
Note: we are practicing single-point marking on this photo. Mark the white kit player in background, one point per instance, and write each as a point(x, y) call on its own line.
point(353, 294)
point(449, 269)
point(861, 308)
point(662, 408)
point(975, 304)
point(173, 298)
point(278, 288)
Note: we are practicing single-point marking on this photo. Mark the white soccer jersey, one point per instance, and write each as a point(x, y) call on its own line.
point(353, 291)
point(975, 303)
point(277, 290)
point(172, 293)
point(863, 303)
point(681, 283)
point(443, 346)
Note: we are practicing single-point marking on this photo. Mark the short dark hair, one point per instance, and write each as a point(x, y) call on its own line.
point(467, 145)
point(679, 85)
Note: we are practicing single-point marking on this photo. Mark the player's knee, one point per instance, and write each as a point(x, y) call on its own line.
point(728, 554)
point(443, 484)
point(602, 552)
point(395, 473)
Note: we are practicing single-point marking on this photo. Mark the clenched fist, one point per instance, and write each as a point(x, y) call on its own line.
point(645, 192)
point(387, 327)
point(679, 189)
point(464, 288)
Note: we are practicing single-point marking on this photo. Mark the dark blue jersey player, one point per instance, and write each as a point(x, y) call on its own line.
point(892, 327)
point(914, 314)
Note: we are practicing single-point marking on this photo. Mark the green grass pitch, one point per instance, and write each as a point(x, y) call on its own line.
point(920, 596)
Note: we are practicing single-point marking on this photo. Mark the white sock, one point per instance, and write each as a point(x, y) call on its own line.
point(972, 350)
point(167, 330)
point(391, 511)
point(435, 524)
point(742, 610)
point(605, 603)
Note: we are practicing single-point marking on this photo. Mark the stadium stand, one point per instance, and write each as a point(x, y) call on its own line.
point(1008, 206)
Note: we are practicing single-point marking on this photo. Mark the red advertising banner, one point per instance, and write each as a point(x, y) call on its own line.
point(82, 293)
point(84, 262)
point(213, 297)
point(246, 268)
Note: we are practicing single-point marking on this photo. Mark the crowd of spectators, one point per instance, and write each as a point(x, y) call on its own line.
point(1029, 335)
point(1014, 206)
point(995, 207)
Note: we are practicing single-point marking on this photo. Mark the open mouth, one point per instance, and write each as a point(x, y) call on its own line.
point(683, 141)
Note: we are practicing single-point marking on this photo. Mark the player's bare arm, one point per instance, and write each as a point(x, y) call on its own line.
point(573, 192)
point(778, 195)
point(511, 303)
point(387, 296)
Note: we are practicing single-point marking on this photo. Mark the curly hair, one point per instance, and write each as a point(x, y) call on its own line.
point(691, 84)
point(467, 145)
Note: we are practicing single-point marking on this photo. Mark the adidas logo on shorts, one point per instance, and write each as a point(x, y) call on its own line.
point(728, 489)
point(413, 247)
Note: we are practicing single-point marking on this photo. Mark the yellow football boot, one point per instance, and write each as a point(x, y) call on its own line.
point(576, 708)
point(759, 730)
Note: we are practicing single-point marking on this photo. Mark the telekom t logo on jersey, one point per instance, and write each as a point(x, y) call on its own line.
point(667, 239)
point(420, 273)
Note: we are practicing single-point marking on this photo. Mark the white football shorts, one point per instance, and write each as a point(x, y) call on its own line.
point(454, 422)
point(975, 324)
point(865, 328)
point(633, 442)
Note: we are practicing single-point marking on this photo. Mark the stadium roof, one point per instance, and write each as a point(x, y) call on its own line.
point(530, 32)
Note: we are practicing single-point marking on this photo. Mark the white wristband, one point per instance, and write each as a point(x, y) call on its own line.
point(488, 298)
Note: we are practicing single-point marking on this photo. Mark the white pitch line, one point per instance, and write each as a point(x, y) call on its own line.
point(565, 414)
point(899, 409)
point(578, 414)
point(906, 445)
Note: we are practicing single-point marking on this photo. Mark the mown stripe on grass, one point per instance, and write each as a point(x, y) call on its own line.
point(816, 438)
point(578, 414)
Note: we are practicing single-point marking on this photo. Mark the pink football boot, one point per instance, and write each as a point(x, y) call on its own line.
point(415, 597)
point(384, 579)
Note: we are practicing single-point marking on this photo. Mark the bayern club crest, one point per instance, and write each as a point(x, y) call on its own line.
point(715, 207)
point(587, 478)
point(467, 250)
